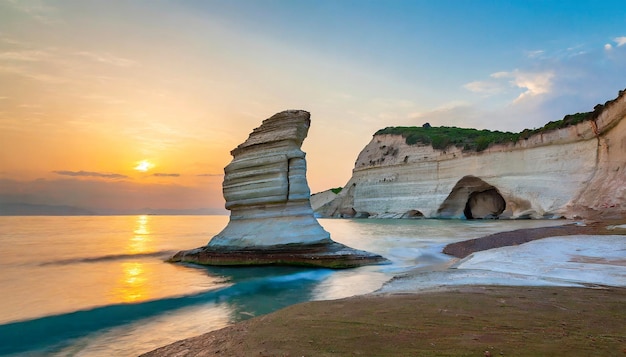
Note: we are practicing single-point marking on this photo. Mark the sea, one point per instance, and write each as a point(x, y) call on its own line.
point(100, 285)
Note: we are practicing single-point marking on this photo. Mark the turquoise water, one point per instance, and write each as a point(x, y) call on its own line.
point(98, 286)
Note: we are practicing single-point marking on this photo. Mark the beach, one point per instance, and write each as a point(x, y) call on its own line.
point(463, 309)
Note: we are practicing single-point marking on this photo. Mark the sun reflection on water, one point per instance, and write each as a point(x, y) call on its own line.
point(132, 285)
point(141, 238)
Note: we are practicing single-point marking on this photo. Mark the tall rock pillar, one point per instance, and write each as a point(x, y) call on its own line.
point(271, 219)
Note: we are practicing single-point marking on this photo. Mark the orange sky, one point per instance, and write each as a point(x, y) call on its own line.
point(90, 89)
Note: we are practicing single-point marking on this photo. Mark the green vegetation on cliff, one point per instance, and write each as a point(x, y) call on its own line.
point(336, 190)
point(474, 139)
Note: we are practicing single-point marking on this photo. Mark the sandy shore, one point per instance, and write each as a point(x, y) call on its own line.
point(457, 320)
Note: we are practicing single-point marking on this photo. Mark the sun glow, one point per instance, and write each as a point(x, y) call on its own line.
point(144, 165)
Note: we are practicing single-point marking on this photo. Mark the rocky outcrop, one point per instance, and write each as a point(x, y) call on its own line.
point(271, 220)
point(577, 171)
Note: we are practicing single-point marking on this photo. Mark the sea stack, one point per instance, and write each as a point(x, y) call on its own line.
point(271, 219)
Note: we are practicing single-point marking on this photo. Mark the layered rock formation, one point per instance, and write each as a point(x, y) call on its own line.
point(271, 219)
point(577, 171)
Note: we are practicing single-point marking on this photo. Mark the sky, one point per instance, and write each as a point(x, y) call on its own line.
point(117, 106)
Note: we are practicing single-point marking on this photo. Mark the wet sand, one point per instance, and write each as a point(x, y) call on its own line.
point(465, 320)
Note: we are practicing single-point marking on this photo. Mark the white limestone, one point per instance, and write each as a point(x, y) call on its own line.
point(271, 220)
point(581, 259)
point(266, 190)
point(557, 261)
point(575, 171)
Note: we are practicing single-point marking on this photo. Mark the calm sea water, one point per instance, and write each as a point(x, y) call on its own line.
point(99, 286)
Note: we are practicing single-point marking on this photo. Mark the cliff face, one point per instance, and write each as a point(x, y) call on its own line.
point(575, 171)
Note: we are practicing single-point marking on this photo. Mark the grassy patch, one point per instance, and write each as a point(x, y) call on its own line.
point(474, 139)
point(336, 190)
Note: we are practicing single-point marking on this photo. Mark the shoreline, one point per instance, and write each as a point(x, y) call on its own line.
point(470, 319)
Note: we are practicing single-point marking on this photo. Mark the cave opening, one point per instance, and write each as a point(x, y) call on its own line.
point(487, 204)
point(472, 198)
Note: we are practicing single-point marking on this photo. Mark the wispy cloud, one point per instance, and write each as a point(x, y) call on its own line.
point(209, 175)
point(547, 87)
point(33, 75)
point(535, 53)
point(24, 55)
point(109, 194)
point(160, 174)
point(533, 83)
point(90, 174)
point(48, 63)
point(103, 98)
point(485, 87)
point(455, 113)
point(11, 41)
point(620, 41)
point(37, 10)
point(107, 58)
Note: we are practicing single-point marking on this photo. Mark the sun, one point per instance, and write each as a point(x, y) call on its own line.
point(144, 165)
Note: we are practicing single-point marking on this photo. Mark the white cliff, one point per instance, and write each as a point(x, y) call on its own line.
point(579, 170)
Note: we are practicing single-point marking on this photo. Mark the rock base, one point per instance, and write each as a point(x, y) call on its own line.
point(329, 255)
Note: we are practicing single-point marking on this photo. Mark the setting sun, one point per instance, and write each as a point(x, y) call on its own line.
point(144, 165)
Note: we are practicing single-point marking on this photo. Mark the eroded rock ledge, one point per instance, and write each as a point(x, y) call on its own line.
point(271, 221)
point(326, 255)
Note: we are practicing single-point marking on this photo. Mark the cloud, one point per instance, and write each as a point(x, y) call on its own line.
point(159, 174)
point(533, 83)
point(107, 58)
point(544, 89)
point(455, 113)
point(620, 41)
point(209, 175)
point(11, 41)
point(24, 55)
point(484, 87)
point(41, 77)
point(534, 54)
point(90, 174)
point(490, 86)
point(37, 10)
point(110, 195)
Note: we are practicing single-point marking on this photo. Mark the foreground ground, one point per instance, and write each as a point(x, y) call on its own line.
point(464, 321)
point(459, 320)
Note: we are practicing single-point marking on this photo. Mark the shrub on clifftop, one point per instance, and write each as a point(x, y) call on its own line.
point(473, 139)
point(443, 136)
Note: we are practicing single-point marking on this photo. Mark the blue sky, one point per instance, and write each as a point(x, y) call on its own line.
point(97, 86)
